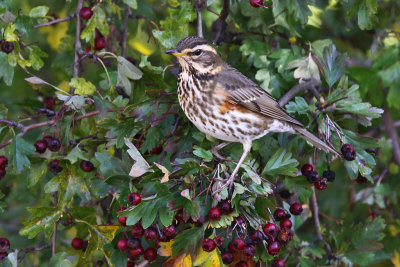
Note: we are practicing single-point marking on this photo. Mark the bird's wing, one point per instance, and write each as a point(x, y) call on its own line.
point(243, 91)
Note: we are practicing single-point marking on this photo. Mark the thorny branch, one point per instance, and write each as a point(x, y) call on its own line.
point(315, 213)
point(199, 7)
point(125, 33)
point(392, 132)
point(54, 21)
point(297, 89)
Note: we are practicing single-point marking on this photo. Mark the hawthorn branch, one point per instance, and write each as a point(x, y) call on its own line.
point(125, 33)
point(315, 213)
point(220, 24)
point(78, 45)
point(392, 132)
point(54, 21)
point(32, 249)
point(312, 83)
point(199, 7)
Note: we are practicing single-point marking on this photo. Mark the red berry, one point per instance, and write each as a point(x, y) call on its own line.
point(372, 215)
point(99, 43)
point(2, 173)
point(214, 214)
point(47, 139)
point(257, 237)
point(3, 255)
point(122, 220)
point(208, 245)
point(77, 243)
point(278, 263)
point(4, 244)
point(296, 208)
point(279, 214)
point(241, 264)
point(284, 236)
point(329, 175)
point(320, 185)
point(237, 244)
point(150, 234)
point(137, 252)
point(3, 162)
point(348, 152)
point(49, 102)
point(88, 48)
point(169, 231)
point(7, 47)
point(286, 223)
point(227, 257)
point(274, 248)
point(306, 168)
point(133, 243)
point(249, 251)
point(150, 254)
point(226, 207)
point(137, 231)
point(130, 264)
point(312, 177)
point(270, 229)
point(54, 145)
point(122, 244)
point(134, 199)
point(41, 146)
point(54, 166)
point(256, 3)
point(86, 12)
point(86, 166)
point(157, 150)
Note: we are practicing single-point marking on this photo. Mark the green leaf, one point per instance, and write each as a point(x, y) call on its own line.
point(38, 12)
point(202, 153)
point(365, 237)
point(20, 150)
point(126, 71)
point(109, 165)
point(6, 70)
point(97, 21)
point(187, 241)
point(118, 258)
point(35, 173)
point(131, 3)
point(62, 259)
point(82, 87)
point(281, 163)
point(299, 105)
point(35, 57)
point(10, 34)
point(42, 219)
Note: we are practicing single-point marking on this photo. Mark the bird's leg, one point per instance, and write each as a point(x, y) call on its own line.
point(215, 149)
point(246, 150)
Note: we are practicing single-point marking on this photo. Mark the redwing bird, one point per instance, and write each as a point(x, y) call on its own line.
point(225, 104)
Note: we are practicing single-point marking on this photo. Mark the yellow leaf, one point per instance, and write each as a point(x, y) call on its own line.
point(179, 261)
point(165, 249)
point(206, 259)
point(56, 32)
point(165, 171)
point(396, 259)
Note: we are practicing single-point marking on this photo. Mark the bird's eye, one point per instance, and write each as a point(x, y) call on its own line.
point(197, 52)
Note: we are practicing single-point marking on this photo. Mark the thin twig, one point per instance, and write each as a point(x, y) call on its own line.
point(219, 26)
point(199, 7)
point(392, 132)
point(54, 236)
point(125, 33)
point(297, 89)
point(315, 213)
point(78, 45)
point(54, 21)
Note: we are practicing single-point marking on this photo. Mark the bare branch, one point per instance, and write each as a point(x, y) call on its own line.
point(297, 89)
point(125, 33)
point(54, 21)
point(199, 7)
point(315, 213)
point(392, 132)
point(78, 45)
point(219, 26)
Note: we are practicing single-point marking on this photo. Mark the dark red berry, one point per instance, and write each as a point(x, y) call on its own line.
point(284, 193)
point(372, 215)
point(47, 139)
point(86, 12)
point(49, 102)
point(54, 145)
point(257, 237)
point(99, 43)
point(208, 245)
point(132, 243)
point(320, 185)
point(157, 150)
point(3, 255)
point(7, 47)
point(312, 177)
point(284, 236)
point(348, 152)
point(256, 3)
point(130, 264)
point(306, 168)
point(134, 199)
point(41, 146)
point(122, 244)
point(274, 248)
point(296, 208)
point(88, 48)
point(278, 263)
point(227, 257)
point(329, 175)
point(219, 241)
point(137, 231)
point(137, 252)
point(270, 229)
point(150, 254)
point(150, 234)
point(249, 251)
point(3, 162)
point(4, 244)
point(286, 223)
point(122, 220)
point(54, 166)
point(86, 166)
point(226, 207)
point(2, 173)
point(169, 231)
point(279, 214)
point(237, 244)
point(214, 214)
point(77, 243)
point(241, 264)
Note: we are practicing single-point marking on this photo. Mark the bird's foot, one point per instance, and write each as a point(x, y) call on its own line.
point(215, 150)
point(228, 183)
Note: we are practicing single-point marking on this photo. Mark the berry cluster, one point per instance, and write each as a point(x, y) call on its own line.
point(4, 247)
point(3, 166)
point(313, 177)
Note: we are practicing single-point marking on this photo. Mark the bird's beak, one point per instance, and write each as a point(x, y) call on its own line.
point(173, 52)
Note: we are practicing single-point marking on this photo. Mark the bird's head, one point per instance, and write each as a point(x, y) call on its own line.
point(197, 53)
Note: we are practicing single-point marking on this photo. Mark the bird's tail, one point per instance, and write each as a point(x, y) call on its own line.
point(314, 140)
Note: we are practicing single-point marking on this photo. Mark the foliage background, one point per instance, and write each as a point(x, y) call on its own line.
point(357, 45)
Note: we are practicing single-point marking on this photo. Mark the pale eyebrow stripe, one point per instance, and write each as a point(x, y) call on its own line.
point(202, 47)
